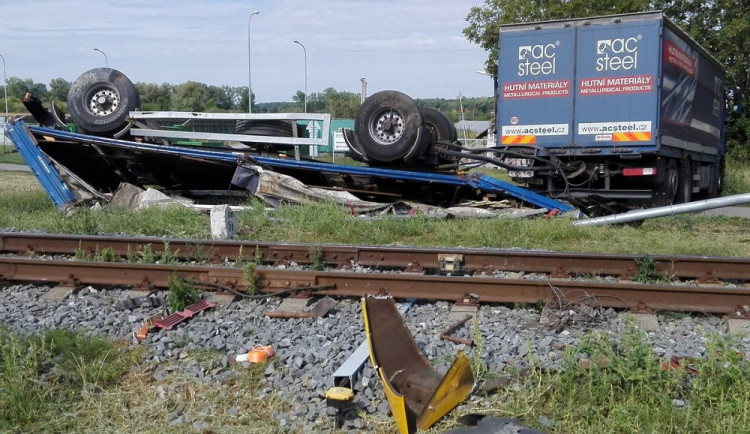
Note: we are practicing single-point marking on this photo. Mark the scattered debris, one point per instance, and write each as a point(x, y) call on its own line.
point(145, 301)
point(146, 327)
point(417, 394)
point(446, 335)
point(338, 399)
point(318, 310)
point(177, 317)
point(257, 354)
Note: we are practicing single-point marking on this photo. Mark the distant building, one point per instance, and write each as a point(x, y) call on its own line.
point(473, 126)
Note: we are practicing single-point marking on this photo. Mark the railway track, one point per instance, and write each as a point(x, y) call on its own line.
point(698, 284)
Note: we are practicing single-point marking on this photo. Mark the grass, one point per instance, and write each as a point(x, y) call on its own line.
point(66, 381)
point(24, 206)
point(8, 155)
point(628, 390)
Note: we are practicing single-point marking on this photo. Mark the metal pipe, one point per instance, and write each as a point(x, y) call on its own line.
point(249, 69)
point(665, 211)
point(305, 50)
point(5, 97)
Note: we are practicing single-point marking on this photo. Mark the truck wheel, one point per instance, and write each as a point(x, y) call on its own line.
point(667, 191)
point(439, 125)
point(685, 182)
point(100, 100)
point(714, 188)
point(388, 126)
point(271, 128)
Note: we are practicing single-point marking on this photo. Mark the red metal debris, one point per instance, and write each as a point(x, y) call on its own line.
point(170, 321)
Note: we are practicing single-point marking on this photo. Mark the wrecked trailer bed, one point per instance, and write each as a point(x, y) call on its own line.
point(101, 164)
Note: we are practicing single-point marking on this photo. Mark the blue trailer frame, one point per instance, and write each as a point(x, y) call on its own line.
point(23, 137)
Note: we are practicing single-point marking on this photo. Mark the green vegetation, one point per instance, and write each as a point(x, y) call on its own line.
point(24, 206)
point(182, 293)
point(66, 381)
point(609, 387)
point(44, 378)
point(199, 97)
point(8, 155)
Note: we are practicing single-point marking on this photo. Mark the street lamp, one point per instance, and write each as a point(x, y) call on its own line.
point(249, 69)
point(106, 61)
point(305, 50)
point(5, 97)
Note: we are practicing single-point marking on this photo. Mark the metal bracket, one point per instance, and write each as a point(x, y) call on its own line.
point(450, 263)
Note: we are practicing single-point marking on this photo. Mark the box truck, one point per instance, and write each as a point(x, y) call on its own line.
point(626, 107)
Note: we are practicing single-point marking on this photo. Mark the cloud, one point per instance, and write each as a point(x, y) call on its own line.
point(412, 43)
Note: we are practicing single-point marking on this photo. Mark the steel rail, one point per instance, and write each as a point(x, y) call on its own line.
point(400, 285)
point(556, 264)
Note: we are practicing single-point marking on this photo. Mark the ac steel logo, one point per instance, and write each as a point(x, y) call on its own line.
point(537, 59)
point(617, 54)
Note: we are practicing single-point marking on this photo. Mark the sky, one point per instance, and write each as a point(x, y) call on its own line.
point(414, 46)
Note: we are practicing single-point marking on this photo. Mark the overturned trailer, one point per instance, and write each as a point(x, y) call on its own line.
point(109, 141)
point(73, 167)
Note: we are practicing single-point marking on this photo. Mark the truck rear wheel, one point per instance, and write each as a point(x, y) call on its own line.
point(100, 100)
point(667, 190)
point(439, 125)
point(388, 127)
point(685, 182)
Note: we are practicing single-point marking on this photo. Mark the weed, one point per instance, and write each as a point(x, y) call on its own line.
point(249, 272)
point(258, 257)
point(146, 255)
point(317, 259)
point(106, 255)
point(182, 293)
point(167, 256)
point(200, 252)
point(131, 256)
point(81, 253)
point(478, 365)
point(646, 270)
point(241, 260)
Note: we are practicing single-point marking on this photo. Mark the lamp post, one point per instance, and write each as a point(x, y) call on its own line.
point(5, 97)
point(305, 50)
point(249, 68)
point(106, 60)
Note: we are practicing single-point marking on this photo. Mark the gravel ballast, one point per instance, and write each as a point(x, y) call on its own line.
point(308, 351)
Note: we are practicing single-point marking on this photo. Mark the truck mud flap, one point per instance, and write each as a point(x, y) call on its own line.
point(351, 141)
point(417, 394)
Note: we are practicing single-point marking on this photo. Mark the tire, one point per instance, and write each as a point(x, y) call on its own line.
point(439, 125)
point(714, 186)
point(269, 128)
point(667, 190)
point(685, 182)
point(277, 128)
point(388, 126)
point(100, 100)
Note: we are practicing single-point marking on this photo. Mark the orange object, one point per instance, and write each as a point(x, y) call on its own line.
point(258, 354)
point(142, 332)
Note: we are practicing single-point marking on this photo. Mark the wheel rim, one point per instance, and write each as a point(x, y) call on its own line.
point(103, 101)
point(387, 126)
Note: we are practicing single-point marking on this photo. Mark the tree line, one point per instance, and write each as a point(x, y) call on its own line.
point(199, 97)
point(721, 26)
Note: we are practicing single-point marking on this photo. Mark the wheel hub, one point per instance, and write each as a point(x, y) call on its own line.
point(104, 102)
point(387, 127)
